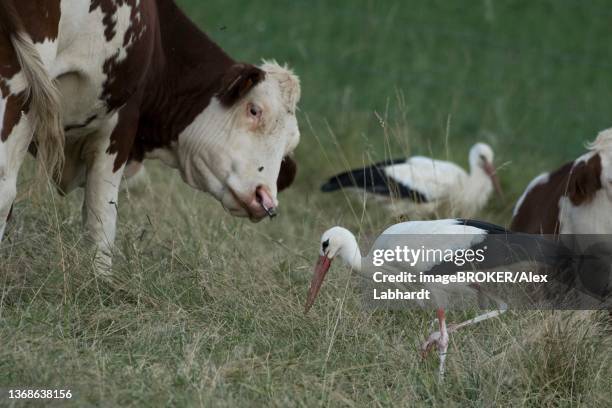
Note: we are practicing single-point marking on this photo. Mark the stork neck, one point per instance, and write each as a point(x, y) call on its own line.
point(351, 255)
point(478, 187)
point(477, 174)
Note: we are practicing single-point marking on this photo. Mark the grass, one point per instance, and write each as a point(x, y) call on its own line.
point(206, 310)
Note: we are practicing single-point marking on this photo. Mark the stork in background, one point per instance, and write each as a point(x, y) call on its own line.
point(419, 186)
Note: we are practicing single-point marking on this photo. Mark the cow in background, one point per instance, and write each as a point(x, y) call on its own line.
point(574, 199)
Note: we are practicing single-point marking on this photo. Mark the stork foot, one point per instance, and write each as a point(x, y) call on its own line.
point(435, 339)
point(440, 341)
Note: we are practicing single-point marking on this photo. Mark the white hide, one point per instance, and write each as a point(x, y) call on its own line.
point(594, 217)
point(78, 65)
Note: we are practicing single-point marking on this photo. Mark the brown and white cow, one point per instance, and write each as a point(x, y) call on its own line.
point(97, 84)
point(574, 199)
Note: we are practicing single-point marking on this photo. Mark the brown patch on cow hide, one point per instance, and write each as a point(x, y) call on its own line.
point(237, 82)
point(9, 65)
point(539, 211)
point(287, 173)
point(108, 8)
point(40, 18)
point(125, 78)
point(10, 21)
point(12, 114)
point(186, 72)
point(585, 181)
point(122, 137)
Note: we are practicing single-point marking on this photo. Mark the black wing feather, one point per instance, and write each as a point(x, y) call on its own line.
point(374, 180)
point(483, 225)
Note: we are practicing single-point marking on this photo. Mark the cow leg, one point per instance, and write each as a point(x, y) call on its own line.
point(134, 175)
point(15, 136)
point(101, 193)
point(105, 155)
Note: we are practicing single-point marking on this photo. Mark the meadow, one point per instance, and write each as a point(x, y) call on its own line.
point(207, 310)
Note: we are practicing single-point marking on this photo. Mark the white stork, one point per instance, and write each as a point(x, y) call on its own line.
point(418, 186)
point(340, 242)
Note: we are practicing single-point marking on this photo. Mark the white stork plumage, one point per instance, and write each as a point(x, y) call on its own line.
point(340, 242)
point(419, 186)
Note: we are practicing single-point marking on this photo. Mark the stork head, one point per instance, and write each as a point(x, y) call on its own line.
point(336, 241)
point(481, 156)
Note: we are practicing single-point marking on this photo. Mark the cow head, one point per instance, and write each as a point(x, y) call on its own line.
point(603, 146)
point(585, 180)
point(238, 148)
point(593, 171)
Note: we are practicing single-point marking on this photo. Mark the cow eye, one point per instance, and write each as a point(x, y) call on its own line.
point(254, 110)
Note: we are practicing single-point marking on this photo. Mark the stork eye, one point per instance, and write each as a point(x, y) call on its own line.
point(325, 244)
point(483, 158)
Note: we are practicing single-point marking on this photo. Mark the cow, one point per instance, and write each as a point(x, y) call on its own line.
point(90, 87)
point(574, 199)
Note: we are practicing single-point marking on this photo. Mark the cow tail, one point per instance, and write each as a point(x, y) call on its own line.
point(42, 95)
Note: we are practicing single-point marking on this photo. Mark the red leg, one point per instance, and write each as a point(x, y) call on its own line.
point(442, 343)
point(439, 339)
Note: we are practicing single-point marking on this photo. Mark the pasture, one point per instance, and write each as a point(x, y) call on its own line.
point(207, 310)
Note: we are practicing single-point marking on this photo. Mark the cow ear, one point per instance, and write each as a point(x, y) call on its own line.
point(237, 82)
point(287, 173)
point(585, 180)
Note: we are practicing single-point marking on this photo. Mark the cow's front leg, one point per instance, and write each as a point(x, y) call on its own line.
point(104, 171)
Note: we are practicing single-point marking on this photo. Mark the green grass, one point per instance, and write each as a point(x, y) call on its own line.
point(206, 310)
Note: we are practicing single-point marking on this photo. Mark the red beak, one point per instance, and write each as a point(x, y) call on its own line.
point(492, 173)
point(321, 269)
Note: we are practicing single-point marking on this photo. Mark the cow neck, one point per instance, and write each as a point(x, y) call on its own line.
point(186, 73)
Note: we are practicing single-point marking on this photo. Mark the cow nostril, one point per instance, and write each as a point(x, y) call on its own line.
point(271, 211)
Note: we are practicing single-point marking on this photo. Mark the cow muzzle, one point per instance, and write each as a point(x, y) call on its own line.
point(258, 205)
